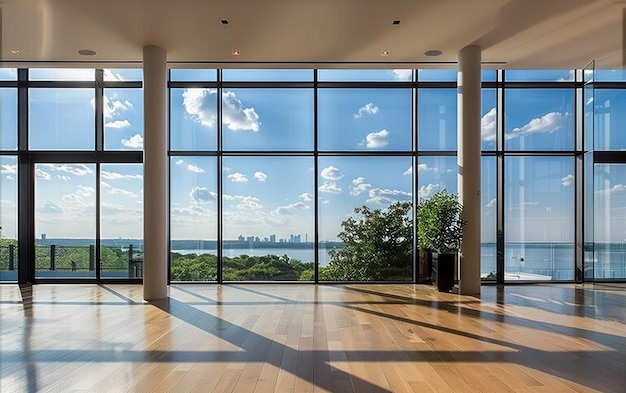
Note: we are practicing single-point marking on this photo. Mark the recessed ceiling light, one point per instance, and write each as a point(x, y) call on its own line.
point(224, 21)
point(384, 53)
point(433, 52)
point(87, 52)
point(16, 51)
point(395, 22)
point(236, 52)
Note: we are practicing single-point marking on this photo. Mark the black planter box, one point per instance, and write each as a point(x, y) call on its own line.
point(443, 271)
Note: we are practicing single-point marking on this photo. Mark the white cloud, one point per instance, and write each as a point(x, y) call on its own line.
point(306, 197)
point(201, 195)
point(118, 124)
point(359, 186)
point(201, 104)
point(64, 177)
point(260, 176)
point(41, 174)
point(109, 75)
point(235, 116)
point(488, 126)
point(330, 187)
point(120, 191)
point(74, 169)
point(385, 196)
point(616, 189)
point(50, 207)
point(491, 203)
point(422, 168)
point(194, 168)
point(180, 162)
point(134, 142)
point(189, 211)
point(331, 173)
point(8, 169)
point(403, 75)
point(238, 178)
point(289, 209)
point(249, 203)
point(369, 109)
point(548, 123)
point(118, 176)
point(375, 140)
point(113, 107)
point(409, 171)
point(567, 180)
point(428, 190)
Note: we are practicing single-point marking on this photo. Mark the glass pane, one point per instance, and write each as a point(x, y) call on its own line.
point(121, 220)
point(610, 221)
point(435, 174)
point(539, 119)
point(267, 119)
point(588, 217)
point(609, 75)
point(193, 218)
point(193, 75)
point(539, 75)
point(268, 223)
point(8, 219)
point(267, 75)
point(193, 119)
point(488, 219)
point(116, 75)
point(610, 119)
point(539, 218)
point(434, 75)
point(8, 119)
point(8, 74)
point(364, 75)
point(489, 119)
point(437, 119)
point(589, 117)
point(365, 119)
point(65, 220)
point(61, 119)
point(123, 119)
point(489, 75)
point(379, 247)
point(62, 74)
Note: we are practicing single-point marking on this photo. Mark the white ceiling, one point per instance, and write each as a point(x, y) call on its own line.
point(512, 33)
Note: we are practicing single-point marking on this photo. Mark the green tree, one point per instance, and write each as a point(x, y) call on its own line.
point(378, 246)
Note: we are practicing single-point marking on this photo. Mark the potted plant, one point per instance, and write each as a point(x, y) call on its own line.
point(440, 230)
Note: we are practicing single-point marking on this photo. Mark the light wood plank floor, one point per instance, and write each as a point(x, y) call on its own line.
point(306, 338)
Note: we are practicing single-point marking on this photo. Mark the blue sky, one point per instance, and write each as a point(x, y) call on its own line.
point(267, 195)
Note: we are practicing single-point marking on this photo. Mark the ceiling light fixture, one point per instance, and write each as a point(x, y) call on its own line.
point(16, 52)
point(384, 53)
point(433, 52)
point(236, 52)
point(224, 21)
point(395, 22)
point(87, 52)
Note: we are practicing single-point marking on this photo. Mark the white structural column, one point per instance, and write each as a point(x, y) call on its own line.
point(155, 168)
point(469, 146)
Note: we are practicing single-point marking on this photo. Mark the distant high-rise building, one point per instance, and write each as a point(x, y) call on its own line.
point(241, 238)
point(273, 238)
point(43, 236)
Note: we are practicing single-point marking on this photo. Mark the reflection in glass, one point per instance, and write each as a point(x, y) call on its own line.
point(121, 220)
point(399, 75)
point(62, 74)
point(193, 218)
point(437, 119)
point(118, 75)
point(539, 218)
point(288, 75)
point(65, 220)
point(610, 119)
point(539, 75)
point(61, 119)
point(609, 260)
point(123, 119)
point(488, 219)
point(382, 185)
point(365, 119)
point(268, 218)
point(539, 119)
point(267, 119)
point(8, 219)
point(193, 119)
point(8, 119)
point(193, 75)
